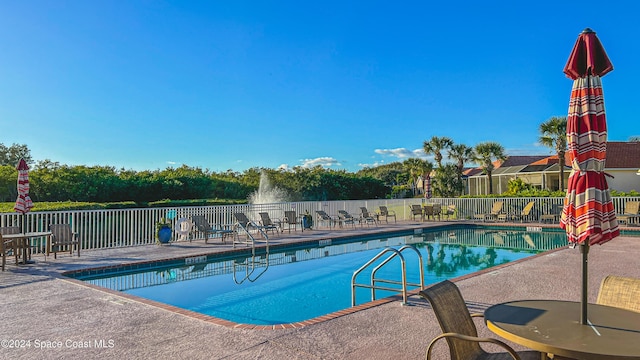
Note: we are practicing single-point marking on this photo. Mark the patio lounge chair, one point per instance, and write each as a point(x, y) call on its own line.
point(620, 292)
point(62, 238)
point(366, 217)
point(201, 224)
point(267, 224)
point(631, 213)
point(416, 210)
point(496, 209)
point(243, 222)
point(525, 214)
point(345, 218)
point(323, 217)
point(384, 211)
point(6, 245)
point(458, 327)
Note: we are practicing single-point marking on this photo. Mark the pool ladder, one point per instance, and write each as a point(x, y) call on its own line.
point(251, 240)
point(373, 285)
point(249, 267)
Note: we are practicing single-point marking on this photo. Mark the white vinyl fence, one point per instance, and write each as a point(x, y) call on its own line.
point(101, 229)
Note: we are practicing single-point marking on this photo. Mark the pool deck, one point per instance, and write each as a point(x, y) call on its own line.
point(49, 317)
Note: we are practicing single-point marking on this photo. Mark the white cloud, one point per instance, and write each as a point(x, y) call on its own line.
point(322, 161)
point(375, 164)
point(284, 167)
point(171, 162)
point(402, 153)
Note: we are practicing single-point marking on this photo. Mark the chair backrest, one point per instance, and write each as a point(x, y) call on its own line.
point(632, 207)
point(8, 230)
point(527, 209)
point(61, 233)
point(453, 316)
point(343, 214)
point(323, 215)
point(365, 212)
point(241, 218)
point(497, 207)
point(428, 210)
point(266, 220)
point(201, 223)
point(384, 211)
point(416, 210)
point(290, 217)
point(437, 209)
point(620, 292)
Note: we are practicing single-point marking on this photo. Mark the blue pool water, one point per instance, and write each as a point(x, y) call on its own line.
point(295, 284)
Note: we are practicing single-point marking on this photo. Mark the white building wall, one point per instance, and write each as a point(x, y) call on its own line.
point(623, 180)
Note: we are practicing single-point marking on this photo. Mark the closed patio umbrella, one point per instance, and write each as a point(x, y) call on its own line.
point(427, 187)
point(588, 215)
point(23, 202)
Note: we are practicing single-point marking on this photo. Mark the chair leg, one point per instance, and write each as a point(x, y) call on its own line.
point(16, 253)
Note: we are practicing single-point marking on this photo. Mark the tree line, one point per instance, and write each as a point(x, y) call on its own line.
point(51, 181)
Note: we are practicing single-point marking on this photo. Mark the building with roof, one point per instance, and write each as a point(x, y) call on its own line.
point(543, 172)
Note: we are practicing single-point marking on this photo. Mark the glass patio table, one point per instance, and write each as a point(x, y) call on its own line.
point(553, 327)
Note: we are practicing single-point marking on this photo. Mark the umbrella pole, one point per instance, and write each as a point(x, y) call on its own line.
point(584, 249)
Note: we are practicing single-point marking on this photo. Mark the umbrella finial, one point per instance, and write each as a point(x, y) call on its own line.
point(22, 165)
point(588, 31)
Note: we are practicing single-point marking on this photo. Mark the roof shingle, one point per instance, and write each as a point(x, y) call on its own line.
point(623, 155)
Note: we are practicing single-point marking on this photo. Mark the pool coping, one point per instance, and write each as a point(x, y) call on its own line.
point(146, 264)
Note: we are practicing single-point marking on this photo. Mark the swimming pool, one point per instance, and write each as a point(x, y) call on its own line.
point(295, 283)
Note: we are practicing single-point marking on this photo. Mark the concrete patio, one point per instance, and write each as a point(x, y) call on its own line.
point(48, 317)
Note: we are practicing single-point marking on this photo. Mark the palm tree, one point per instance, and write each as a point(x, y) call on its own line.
point(485, 153)
point(425, 169)
point(460, 153)
point(417, 167)
point(435, 147)
point(554, 135)
point(411, 166)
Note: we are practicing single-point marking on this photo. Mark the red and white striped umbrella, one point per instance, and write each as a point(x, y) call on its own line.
point(23, 203)
point(427, 185)
point(588, 216)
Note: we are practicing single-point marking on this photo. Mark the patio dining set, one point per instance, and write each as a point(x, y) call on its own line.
point(431, 211)
point(14, 242)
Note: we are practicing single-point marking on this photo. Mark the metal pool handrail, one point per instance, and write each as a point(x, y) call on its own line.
point(403, 268)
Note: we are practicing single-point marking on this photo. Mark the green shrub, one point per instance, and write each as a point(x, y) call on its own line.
point(7, 207)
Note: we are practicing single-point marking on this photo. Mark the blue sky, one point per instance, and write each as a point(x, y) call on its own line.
point(221, 85)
